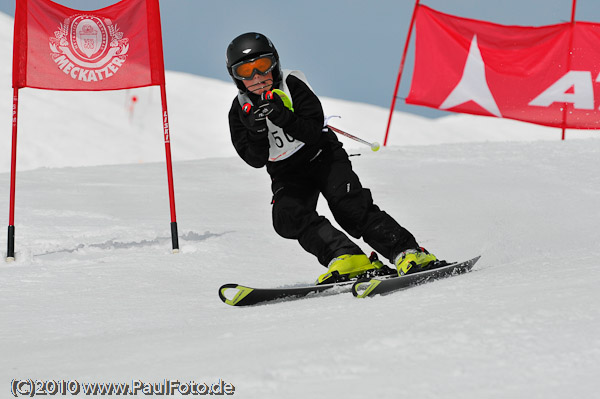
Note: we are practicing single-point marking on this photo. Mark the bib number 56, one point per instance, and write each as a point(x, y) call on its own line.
point(279, 140)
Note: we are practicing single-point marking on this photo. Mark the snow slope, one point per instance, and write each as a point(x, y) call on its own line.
point(96, 296)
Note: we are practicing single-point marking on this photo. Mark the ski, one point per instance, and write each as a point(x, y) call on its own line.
point(241, 295)
point(363, 288)
point(381, 281)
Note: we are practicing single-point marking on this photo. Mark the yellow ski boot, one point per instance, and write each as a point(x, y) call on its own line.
point(414, 260)
point(347, 267)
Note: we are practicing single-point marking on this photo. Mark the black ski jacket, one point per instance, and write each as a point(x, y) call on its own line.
point(305, 124)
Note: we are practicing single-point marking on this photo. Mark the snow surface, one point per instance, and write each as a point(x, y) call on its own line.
point(96, 295)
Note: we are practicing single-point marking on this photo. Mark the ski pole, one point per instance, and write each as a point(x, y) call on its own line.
point(374, 145)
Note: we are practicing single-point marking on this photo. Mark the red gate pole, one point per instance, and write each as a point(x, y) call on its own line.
point(167, 137)
point(573, 7)
point(10, 252)
point(412, 22)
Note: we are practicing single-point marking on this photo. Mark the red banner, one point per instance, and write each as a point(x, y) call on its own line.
point(60, 48)
point(549, 75)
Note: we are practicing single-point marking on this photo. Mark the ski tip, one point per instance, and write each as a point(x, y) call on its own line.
point(233, 294)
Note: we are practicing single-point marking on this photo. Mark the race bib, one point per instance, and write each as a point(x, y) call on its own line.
point(281, 145)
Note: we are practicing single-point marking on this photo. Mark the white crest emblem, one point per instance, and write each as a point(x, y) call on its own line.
point(89, 48)
point(88, 36)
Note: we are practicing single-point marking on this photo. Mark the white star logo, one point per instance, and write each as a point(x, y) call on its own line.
point(473, 85)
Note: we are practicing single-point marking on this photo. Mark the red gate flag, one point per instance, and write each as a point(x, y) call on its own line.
point(549, 75)
point(60, 48)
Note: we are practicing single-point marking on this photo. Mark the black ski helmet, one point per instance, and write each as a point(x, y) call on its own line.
point(247, 46)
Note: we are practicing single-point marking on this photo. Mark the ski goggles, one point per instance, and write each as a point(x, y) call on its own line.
point(245, 70)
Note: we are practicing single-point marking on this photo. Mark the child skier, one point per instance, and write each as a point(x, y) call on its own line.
point(304, 159)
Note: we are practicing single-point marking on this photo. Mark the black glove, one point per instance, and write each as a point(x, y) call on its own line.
point(274, 109)
point(255, 121)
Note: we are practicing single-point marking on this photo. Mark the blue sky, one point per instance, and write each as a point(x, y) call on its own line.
point(347, 49)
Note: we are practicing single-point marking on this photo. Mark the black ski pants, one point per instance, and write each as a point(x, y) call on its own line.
point(295, 196)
